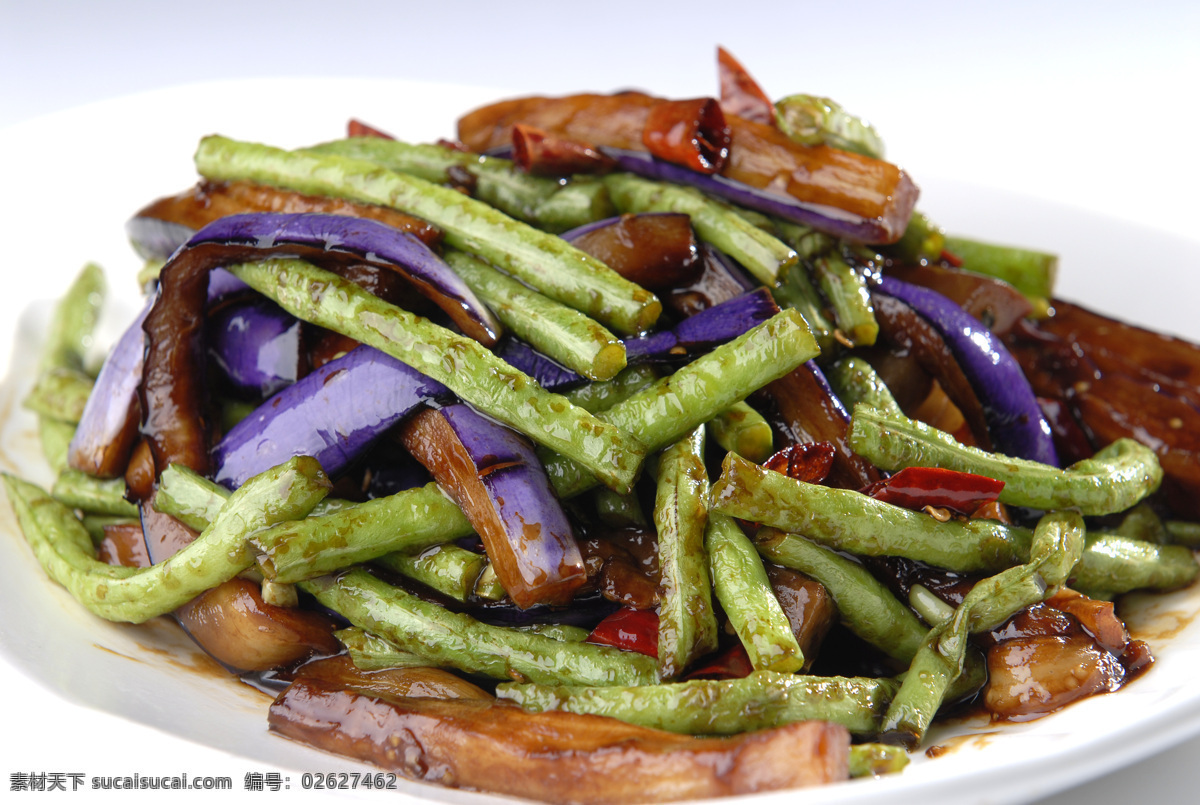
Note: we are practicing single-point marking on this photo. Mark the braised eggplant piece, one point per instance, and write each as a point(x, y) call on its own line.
point(871, 200)
point(719, 280)
point(808, 411)
point(106, 433)
point(258, 347)
point(1032, 676)
point(1117, 380)
point(162, 226)
point(416, 681)
point(997, 305)
point(554, 756)
point(495, 476)
point(656, 250)
point(809, 607)
point(334, 414)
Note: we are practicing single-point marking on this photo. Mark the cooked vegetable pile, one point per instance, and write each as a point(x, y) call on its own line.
point(623, 449)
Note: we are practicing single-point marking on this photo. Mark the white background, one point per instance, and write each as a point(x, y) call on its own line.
point(1090, 104)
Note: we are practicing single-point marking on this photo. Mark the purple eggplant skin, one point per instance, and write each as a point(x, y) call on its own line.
point(706, 329)
point(832, 221)
point(334, 414)
point(720, 279)
point(107, 430)
point(1014, 417)
point(257, 345)
point(154, 238)
point(548, 373)
point(367, 241)
point(494, 474)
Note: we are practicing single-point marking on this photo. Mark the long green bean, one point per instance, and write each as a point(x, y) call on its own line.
point(687, 624)
point(1113, 480)
point(467, 367)
point(555, 330)
point(460, 641)
point(761, 253)
point(761, 700)
point(544, 261)
point(741, 585)
point(64, 548)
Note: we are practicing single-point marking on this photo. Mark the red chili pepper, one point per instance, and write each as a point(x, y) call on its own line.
point(952, 258)
point(543, 154)
point(629, 629)
point(918, 487)
point(692, 133)
point(804, 462)
point(357, 128)
point(733, 664)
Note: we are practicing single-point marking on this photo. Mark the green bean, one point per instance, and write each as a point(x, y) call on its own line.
point(1113, 480)
point(761, 253)
point(96, 523)
point(64, 548)
point(279, 595)
point(847, 520)
point(1058, 544)
point(56, 436)
point(1031, 272)
point(846, 290)
point(813, 120)
point(78, 490)
point(459, 641)
point(467, 367)
point(581, 201)
point(742, 430)
point(875, 760)
point(562, 333)
point(618, 511)
point(149, 272)
point(490, 179)
point(73, 321)
point(933, 609)
point(60, 393)
point(762, 700)
point(604, 394)
point(796, 291)
point(1114, 564)
point(408, 521)
point(865, 606)
point(449, 569)
point(1142, 522)
point(542, 260)
point(662, 413)
point(1183, 533)
point(558, 631)
point(371, 652)
point(488, 587)
point(687, 624)
point(741, 584)
point(855, 381)
point(807, 241)
point(419, 518)
point(189, 497)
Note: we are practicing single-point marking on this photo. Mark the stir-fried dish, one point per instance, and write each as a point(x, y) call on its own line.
point(623, 448)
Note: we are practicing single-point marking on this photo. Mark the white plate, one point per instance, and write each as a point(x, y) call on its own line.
point(75, 177)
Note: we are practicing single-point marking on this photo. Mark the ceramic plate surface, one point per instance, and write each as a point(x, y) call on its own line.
point(72, 180)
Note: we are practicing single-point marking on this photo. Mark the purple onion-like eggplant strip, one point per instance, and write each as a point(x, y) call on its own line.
point(1014, 417)
point(370, 242)
point(819, 216)
point(257, 345)
point(108, 428)
point(333, 414)
point(548, 373)
point(494, 474)
point(704, 330)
